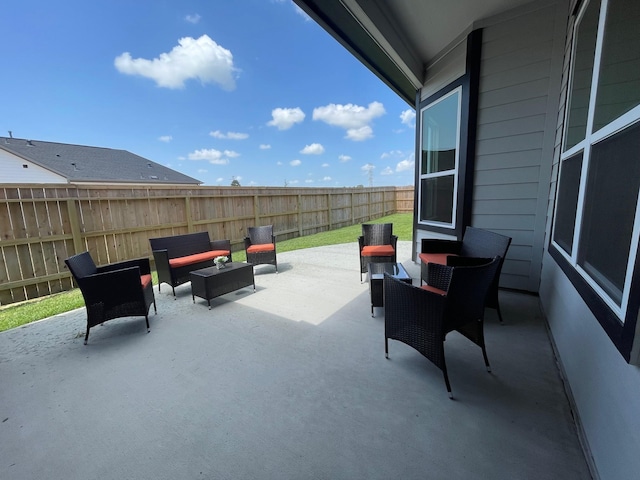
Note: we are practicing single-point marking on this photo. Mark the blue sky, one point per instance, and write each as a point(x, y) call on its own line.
point(245, 89)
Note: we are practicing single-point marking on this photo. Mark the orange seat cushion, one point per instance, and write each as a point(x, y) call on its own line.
point(439, 258)
point(145, 280)
point(429, 288)
point(261, 247)
point(197, 258)
point(378, 251)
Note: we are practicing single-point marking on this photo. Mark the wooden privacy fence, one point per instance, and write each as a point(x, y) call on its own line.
point(41, 225)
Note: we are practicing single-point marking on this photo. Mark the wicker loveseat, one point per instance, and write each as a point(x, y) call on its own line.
point(178, 255)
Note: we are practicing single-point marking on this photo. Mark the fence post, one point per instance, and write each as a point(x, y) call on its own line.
point(329, 210)
point(299, 215)
point(187, 207)
point(256, 213)
point(76, 233)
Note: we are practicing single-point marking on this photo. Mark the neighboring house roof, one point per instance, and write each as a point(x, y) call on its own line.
point(80, 163)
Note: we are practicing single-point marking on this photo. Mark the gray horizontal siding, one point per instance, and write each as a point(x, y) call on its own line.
point(521, 58)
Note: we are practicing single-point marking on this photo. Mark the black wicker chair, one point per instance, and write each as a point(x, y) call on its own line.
point(476, 242)
point(454, 299)
point(260, 246)
point(377, 244)
point(122, 289)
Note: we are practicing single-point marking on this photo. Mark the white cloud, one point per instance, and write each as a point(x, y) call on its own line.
point(285, 118)
point(344, 158)
point(193, 18)
point(295, 163)
point(265, 146)
point(407, 164)
point(278, 163)
point(408, 118)
point(213, 156)
point(202, 170)
point(201, 59)
point(313, 149)
point(219, 180)
point(165, 138)
point(392, 153)
point(308, 180)
point(367, 168)
point(293, 182)
point(387, 171)
point(324, 165)
point(229, 135)
point(355, 119)
point(326, 179)
point(359, 134)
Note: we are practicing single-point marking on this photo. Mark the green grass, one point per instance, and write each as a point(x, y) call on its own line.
point(15, 315)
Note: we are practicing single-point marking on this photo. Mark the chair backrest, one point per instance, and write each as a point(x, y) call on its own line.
point(182, 245)
point(478, 242)
point(467, 292)
point(81, 266)
point(377, 233)
point(260, 235)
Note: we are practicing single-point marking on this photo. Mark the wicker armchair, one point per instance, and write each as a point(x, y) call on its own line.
point(260, 246)
point(122, 289)
point(454, 299)
point(377, 244)
point(476, 242)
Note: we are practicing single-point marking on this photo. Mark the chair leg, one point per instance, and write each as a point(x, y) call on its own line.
point(446, 381)
point(86, 337)
point(386, 348)
point(146, 318)
point(499, 314)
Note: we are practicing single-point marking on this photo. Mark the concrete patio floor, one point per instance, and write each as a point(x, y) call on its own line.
point(289, 382)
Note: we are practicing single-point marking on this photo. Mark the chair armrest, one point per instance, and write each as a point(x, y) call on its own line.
point(439, 276)
point(435, 245)
point(142, 263)
point(453, 261)
point(394, 241)
point(361, 242)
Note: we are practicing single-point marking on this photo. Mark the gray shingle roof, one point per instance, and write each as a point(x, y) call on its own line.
point(80, 163)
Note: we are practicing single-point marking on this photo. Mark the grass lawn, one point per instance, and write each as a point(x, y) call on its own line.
point(13, 316)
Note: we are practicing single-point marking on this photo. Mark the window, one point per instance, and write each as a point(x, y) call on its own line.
point(597, 220)
point(439, 159)
point(445, 150)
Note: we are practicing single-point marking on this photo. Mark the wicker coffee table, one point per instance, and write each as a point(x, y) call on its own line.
point(375, 276)
point(210, 282)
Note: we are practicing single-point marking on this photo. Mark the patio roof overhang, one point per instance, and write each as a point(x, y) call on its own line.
point(397, 40)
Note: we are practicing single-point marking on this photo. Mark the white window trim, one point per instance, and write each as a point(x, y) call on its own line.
point(446, 173)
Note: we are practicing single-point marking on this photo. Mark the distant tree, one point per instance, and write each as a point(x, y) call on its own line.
point(235, 183)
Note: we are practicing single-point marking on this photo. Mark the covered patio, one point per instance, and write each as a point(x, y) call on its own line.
point(289, 382)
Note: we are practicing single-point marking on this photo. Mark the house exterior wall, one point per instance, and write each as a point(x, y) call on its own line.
point(603, 387)
point(521, 71)
point(520, 75)
point(13, 171)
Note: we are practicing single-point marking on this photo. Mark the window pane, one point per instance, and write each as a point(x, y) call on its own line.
point(436, 200)
point(619, 81)
point(567, 202)
point(609, 210)
point(580, 89)
point(440, 135)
